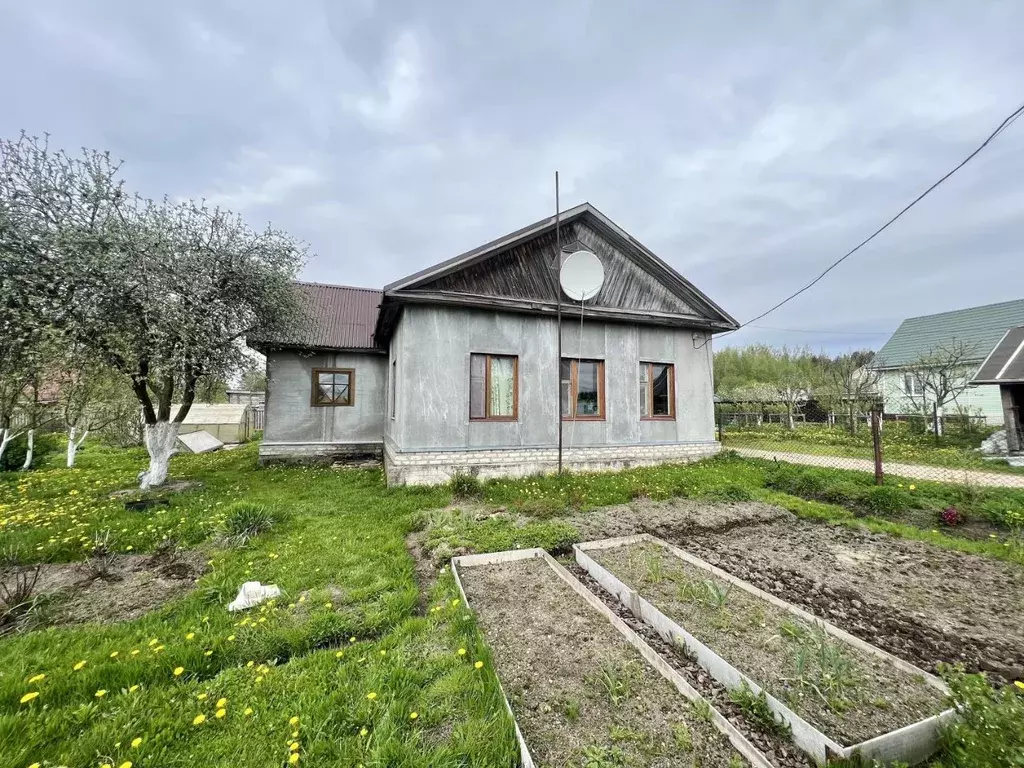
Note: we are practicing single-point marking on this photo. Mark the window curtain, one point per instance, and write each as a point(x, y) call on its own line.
point(502, 386)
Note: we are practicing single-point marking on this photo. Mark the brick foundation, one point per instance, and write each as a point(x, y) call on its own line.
point(435, 467)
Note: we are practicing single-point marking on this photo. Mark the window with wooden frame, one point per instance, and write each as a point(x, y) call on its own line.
point(657, 391)
point(582, 389)
point(493, 387)
point(334, 386)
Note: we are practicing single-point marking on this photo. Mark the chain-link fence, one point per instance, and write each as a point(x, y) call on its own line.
point(958, 449)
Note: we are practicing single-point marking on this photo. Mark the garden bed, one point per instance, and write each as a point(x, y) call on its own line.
point(921, 602)
point(583, 687)
point(835, 692)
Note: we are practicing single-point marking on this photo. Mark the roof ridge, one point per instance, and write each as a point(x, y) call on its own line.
point(965, 309)
point(336, 285)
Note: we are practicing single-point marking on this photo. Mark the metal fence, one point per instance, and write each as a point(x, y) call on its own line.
point(949, 448)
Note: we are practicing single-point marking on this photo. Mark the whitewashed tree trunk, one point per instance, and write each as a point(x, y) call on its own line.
point(6, 435)
point(30, 451)
point(159, 439)
point(73, 446)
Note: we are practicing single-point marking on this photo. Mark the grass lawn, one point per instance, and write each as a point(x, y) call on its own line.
point(352, 666)
point(900, 444)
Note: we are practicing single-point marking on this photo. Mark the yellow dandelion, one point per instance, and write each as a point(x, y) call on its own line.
point(221, 703)
point(114, 654)
point(199, 719)
point(455, 603)
point(125, 764)
point(248, 711)
point(153, 642)
point(133, 689)
point(136, 742)
point(190, 635)
point(371, 695)
point(201, 697)
point(207, 653)
point(295, 734)
point(294, 721)
point(101, 693)
point(913, 487)
point(363, 731)
point(351, 639)
point(293, 747)
point(413, 715)
point(293, 759)
point(462, 651)
point(338, 655)
point(478, 665)
point(79, 665)
point(29, 696)
point(1019, 684)
point(220, 713)
point(34, 765)
point(37, 678)
point(231, 638)
point(135, 652)
point(178, 671)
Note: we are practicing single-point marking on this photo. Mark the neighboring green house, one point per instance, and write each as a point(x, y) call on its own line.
point(962, 338)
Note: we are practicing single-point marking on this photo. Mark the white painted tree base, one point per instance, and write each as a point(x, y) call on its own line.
point(160, 439)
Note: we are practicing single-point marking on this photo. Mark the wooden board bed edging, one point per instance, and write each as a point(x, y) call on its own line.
point(911, 744)
point(737, 739)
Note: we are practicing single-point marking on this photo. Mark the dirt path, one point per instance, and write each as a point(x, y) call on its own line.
point(914, 471)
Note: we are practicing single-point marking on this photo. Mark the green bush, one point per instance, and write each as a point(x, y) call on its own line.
point(246, 520)
point(884, 500)
point(845, 493)
point(465, 486)
point(729, 492)
point(990, 730)
point(14, 455)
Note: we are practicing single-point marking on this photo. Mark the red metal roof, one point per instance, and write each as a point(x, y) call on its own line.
point(338, 316)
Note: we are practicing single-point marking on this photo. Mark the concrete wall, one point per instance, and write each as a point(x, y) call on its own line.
point(433, 346)
point(295, 429)
point(981, 400)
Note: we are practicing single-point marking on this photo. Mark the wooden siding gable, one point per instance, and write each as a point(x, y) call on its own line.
point(523, 271)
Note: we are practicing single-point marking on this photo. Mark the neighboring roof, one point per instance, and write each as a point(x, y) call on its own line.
point(978, 328)
point(213, 413)
point(665, 273)
point(1005, 363)
point(337, 317)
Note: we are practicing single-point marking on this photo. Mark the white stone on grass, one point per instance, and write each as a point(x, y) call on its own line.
point(200, 442)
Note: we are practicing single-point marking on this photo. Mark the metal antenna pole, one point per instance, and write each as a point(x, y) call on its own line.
point(558, 295)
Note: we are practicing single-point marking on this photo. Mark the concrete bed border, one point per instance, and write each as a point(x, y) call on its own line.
point(912, 744)
point(737, 739)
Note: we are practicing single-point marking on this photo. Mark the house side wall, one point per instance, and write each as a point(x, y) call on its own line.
point(981, 400)
point(433, 345)
point(297, 429)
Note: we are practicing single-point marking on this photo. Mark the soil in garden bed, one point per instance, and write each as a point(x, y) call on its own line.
point(920, 602)
point(579, 691)
point(131, 586)
point(848, 694)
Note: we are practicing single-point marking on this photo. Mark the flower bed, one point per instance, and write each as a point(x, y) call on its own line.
point(581, 683)
point(836, 693)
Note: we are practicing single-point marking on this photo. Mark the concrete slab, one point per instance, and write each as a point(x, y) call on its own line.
point(200, 442)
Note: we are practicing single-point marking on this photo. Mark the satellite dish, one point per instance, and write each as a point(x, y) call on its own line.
point(582, 275)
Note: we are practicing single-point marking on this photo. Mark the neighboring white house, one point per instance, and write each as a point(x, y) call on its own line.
point(975, 330)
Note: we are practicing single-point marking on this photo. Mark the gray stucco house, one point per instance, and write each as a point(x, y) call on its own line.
point(456, 368)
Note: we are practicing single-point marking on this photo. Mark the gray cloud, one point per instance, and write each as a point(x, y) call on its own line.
point(747, 143)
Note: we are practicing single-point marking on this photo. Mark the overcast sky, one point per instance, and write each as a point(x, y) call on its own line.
point(747, 144)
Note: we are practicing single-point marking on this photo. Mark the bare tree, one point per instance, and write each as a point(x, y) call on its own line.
point(851, 384)
point(162, 292)
point(939, 376)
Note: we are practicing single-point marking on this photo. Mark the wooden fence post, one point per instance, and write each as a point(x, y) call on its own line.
point(876, 439)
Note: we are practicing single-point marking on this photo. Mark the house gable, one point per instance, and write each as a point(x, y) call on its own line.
point(517, 273)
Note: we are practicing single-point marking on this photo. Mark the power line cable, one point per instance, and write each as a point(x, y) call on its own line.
point(1010, 119)
point(830, 333)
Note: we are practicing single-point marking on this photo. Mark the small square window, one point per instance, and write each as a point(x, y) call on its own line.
point(333, 386)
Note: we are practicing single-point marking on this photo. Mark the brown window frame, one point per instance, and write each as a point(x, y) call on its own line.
point(671, 415)
point(316, 388)
point(574, 372)
point(487, 387)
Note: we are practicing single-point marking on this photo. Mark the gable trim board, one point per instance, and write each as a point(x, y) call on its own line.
point(1005, 363)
